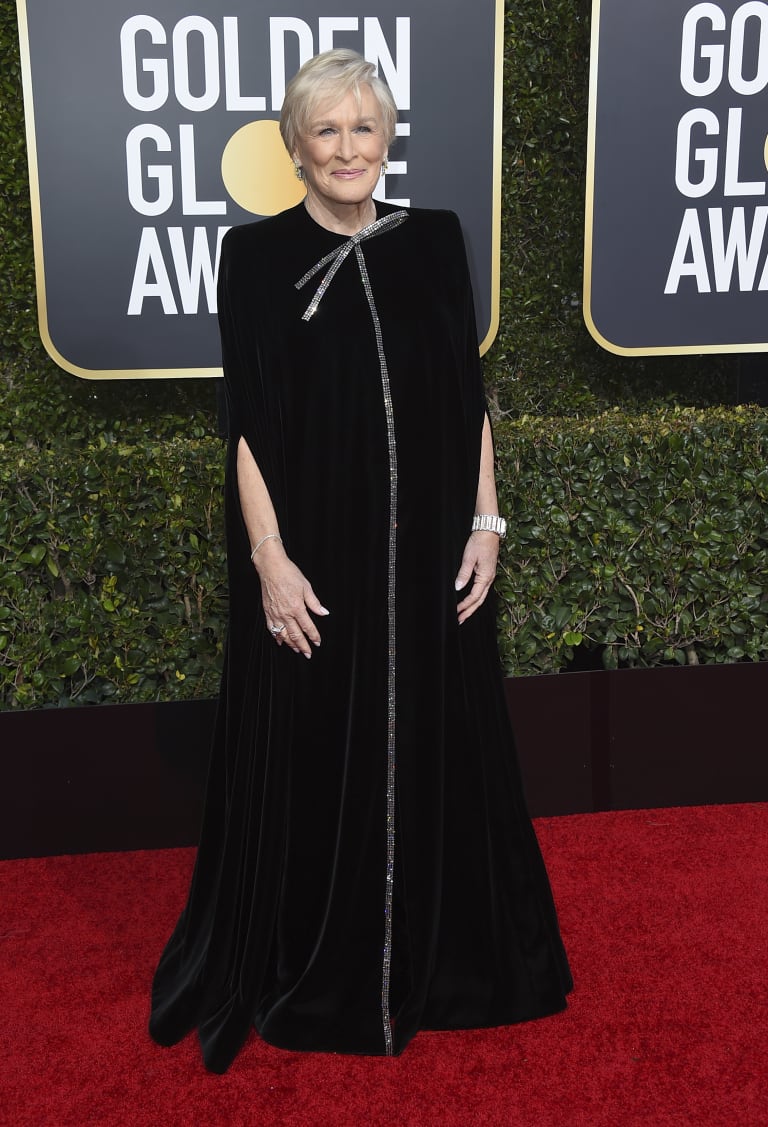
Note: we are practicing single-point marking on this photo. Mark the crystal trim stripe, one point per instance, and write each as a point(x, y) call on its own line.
point(336, 258)
point(391, 656)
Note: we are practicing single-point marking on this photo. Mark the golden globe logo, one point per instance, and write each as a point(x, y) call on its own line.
point(676, 247)
point(152, 130)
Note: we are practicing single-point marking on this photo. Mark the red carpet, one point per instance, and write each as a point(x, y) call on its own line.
point(665, 917)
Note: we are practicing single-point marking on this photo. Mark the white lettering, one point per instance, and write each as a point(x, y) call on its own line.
point(235, 100)
point(158, 68)
point(736, 245)
point(736, 250)
point(706, 157)
point(734, 186)
point(150, 257)
point(375, 50)
point(690, 50)
point(210, 93)
point(190, 204)
point(279, 26)
point(713, 54)
point(200, 65)
point(160, 172)
point(200, 269)
point(696, 267)
point(739, 83)
point(195, 274)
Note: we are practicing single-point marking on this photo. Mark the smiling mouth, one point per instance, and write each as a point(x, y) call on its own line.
point(349, 173)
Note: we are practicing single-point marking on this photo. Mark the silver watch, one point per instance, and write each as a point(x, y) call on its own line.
point(486, 522)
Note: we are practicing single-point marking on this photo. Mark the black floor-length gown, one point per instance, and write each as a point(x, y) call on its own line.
point(366, 866)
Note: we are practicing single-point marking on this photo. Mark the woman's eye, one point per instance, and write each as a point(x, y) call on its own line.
point(364, 129)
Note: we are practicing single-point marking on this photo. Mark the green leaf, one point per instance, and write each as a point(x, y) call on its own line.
point(113, 550)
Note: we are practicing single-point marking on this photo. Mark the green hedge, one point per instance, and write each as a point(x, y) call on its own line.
point(641, 540)
point(112, 572)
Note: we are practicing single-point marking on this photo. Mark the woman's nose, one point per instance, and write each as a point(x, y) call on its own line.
point(346, 149)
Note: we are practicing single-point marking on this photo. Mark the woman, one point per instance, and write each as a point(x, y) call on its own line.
point(366, 867)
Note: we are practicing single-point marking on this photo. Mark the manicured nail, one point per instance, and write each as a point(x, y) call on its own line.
point(323, 610)
point(458, 585)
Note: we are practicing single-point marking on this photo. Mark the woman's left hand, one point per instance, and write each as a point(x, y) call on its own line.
point(479, 559)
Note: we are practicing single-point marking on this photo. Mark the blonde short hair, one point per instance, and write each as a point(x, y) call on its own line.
point(332, 75)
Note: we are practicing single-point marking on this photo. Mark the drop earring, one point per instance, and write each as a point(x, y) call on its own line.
point(384, 166)
point(299, 171)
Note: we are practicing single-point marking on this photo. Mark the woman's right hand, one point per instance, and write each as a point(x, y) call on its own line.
point(287, 598)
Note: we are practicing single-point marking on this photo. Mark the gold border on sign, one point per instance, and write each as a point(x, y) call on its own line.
point(498, 102)
point(37, 243)
point(189, 373)
point(609, 346)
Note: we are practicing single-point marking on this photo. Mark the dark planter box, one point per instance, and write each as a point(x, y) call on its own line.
point(132, 776)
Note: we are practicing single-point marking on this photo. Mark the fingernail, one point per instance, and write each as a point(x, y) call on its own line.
point(458, 584)
point(324, 610)
point(315, 643)
point(308, 656)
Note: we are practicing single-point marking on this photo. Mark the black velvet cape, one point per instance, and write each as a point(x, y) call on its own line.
point(284, 927)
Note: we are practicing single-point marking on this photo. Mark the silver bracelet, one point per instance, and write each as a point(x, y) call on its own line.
point(489, 522)
point(269, 536)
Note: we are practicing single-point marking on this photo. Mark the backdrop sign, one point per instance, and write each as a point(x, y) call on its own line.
point(152, 129)
point(677, 197)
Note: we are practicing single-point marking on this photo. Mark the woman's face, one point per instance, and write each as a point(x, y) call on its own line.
point(342, 149)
